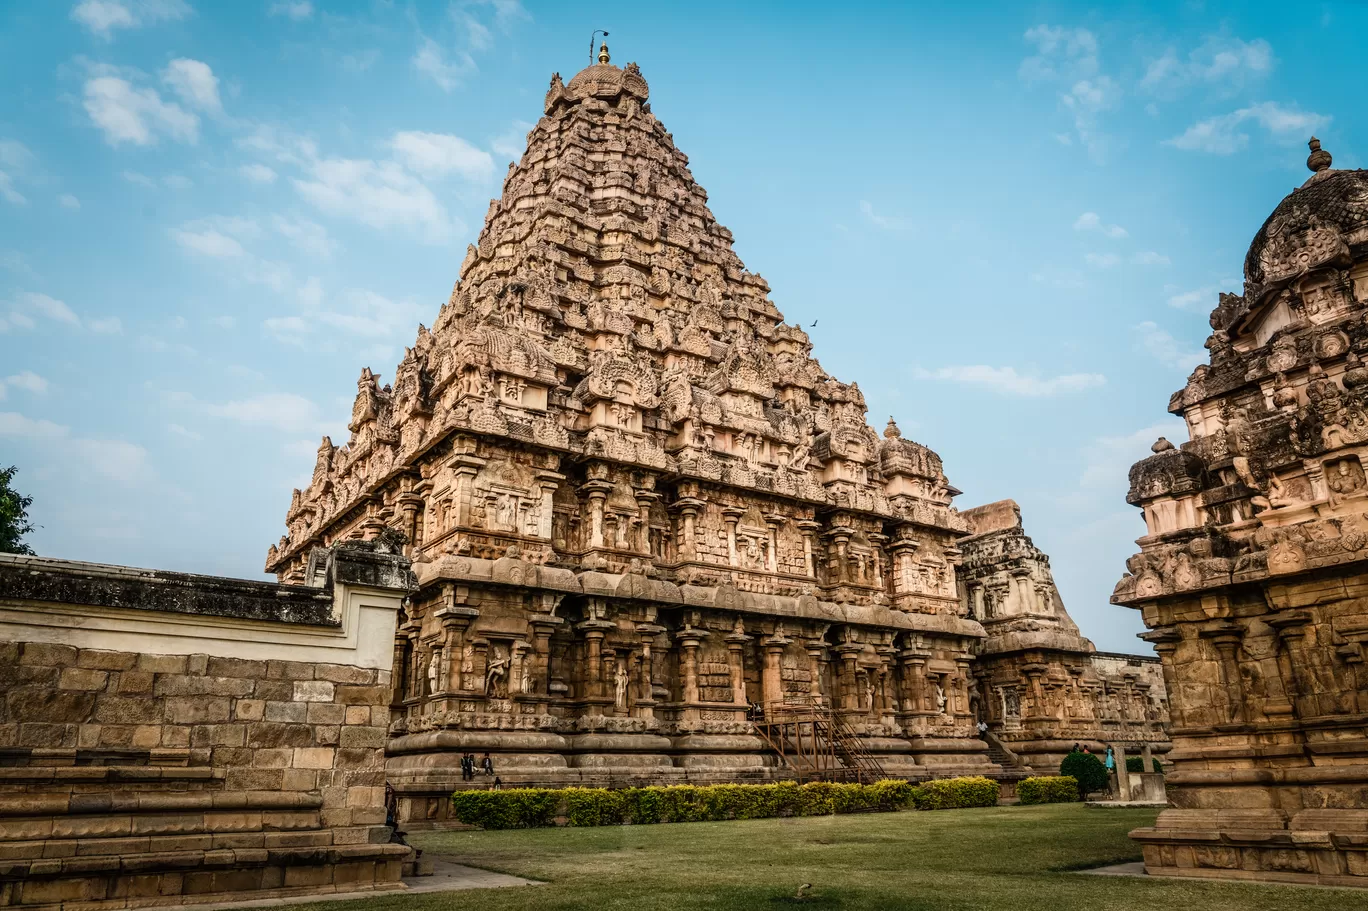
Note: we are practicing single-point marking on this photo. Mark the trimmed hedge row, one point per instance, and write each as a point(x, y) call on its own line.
point(526, 808)
point(1048, 789)
point(1137, 764)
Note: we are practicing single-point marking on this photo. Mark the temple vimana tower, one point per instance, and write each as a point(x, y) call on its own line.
point(1253, 573)
point(643, 517)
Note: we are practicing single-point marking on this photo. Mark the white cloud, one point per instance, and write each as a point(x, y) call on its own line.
point(431, 60)
point(225, 321)
point(108, 326)
point(886, 222)
point(308, 236)
point(440, 154)
point(194, 83)
point(138, 115)
point(1059, 52)
point(177, 182)
point(1201, 300)
point(14, 424)
point(208, 242)
point(1091, 221)
point(1006, 380)
point(118, 460)
point(512, 144)
point(1219, 61)
point(1107, 460)
point(46, 306)
point(26, 380)
point(257, 173)
point(1102, 260)
point(17, 263)
point(280, 143)
point(8, 193)
point(298, 10)
point(180, 431)
point(67, 201)
point(102, 17)
point(283, 411)
point(378, 194)
point(1223, 135)
point(1149, 258)
point(356, 312)
point(1166, 349)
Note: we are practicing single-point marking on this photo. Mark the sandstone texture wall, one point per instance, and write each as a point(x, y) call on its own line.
point(1253, 573)
point(1040, 684)
point(169, 773)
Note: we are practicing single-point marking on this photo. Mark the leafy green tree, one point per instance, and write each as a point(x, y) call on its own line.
point(14, 522)
point(1087, 770)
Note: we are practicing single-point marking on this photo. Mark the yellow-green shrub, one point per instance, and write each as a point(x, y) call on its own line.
point(1048, 789)
point(520, 808)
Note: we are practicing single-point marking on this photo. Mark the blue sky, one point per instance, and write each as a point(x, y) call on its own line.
point(1009, 222)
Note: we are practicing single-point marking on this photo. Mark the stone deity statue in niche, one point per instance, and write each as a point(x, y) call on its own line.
point(940, 699)
point(496, 676)
point(622, 679)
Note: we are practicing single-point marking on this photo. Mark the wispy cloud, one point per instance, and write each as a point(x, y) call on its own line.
point(1008, 381)
point(1225, 134)
point(1221, 61)
point(431, 60)
point(1091, 221)
point(886, 222)
point(138, 115)
point(1149, 258)
point(1102, 260)
point(67, 201)
point(297, 10)
point(1166, 349)
point(379, 194)
point(1203, 299)
point(104, 17)
point(194, 83)
point(25, 381)
point(258, 173)
point(1106, 460)
point(441, 154)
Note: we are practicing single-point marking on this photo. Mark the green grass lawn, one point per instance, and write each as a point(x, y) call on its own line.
point(1008, 858)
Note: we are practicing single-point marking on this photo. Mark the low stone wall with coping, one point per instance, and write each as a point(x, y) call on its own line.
point(167, 738)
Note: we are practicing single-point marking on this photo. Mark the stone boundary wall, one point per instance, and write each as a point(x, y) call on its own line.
point(157, 748)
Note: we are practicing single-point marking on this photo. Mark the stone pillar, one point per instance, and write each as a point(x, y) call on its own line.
point(688, 509)
point(1226, 639)
point(464, 467)
point(902, 549)
point(1123, 788)
point(543, 628)
point(913, 664)
point(1039, 710)
point(547, 483)
point(597, 493)
point(962, 688)
point(736, 644)
point(1021, 576)
point(1146, 758)
point(455, 622)
point(771, 679)
point(816, 662)
point(849, 684)
point(647, 634)
point(773, 521)
point(399, 681)
point(688, 640)
point(644, 500)
point(593, 632)
point(809, 529)
point(731, 515)
point(1290, 626)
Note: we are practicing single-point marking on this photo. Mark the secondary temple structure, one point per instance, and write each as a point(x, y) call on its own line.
point(1253, 573)
point(1043, 686)
point(642, 516)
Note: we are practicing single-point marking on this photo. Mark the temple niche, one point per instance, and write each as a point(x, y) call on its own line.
point(640, 512)
point(1253, 570)
point(1042, 686)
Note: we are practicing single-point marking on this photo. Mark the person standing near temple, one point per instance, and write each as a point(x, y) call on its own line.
point(487, 764)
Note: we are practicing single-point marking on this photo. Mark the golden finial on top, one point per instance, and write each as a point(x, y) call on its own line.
point(603, 52)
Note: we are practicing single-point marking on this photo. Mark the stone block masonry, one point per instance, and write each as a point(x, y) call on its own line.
point(197, 762)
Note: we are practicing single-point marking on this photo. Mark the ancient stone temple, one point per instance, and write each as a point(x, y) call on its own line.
point(1043, 686)
point(1253, 573)
point(637, 506)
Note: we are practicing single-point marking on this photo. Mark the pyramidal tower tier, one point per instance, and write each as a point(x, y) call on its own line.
point(638, 507)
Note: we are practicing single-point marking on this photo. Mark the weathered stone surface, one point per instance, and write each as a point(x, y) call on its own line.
point(1043, 686)
point(1254, 571)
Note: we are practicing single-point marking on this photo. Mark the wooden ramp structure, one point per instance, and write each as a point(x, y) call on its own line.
point(816, 743)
